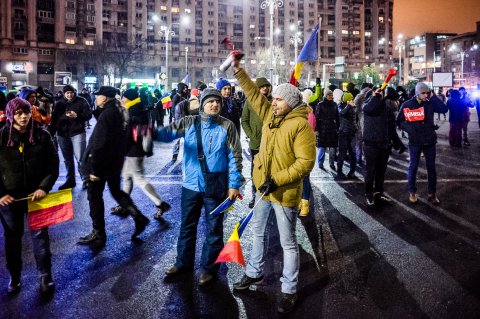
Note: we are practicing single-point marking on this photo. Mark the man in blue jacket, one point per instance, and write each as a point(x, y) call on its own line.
point(416, 118)
point(207, 186)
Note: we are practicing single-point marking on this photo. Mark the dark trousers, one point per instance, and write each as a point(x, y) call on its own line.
point(376, 159)
point(254, 189)
point(346, 143)
point(430, 153)
point(455, 134)
point(192, 203)
point(95, 199)
point(12, 221)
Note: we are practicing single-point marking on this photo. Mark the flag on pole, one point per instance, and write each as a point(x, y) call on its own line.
point(232, 251)
point(186, 80)
point(53, 209)
point(309, 53)
point(166, 102)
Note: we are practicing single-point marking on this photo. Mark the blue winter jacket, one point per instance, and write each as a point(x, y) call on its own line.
point(221, 146)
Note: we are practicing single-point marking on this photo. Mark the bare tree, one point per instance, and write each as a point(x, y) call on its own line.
point(281, 65)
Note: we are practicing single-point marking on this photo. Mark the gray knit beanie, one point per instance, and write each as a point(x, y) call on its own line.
point(209, 94)
point(289, 93)
point(421, 88)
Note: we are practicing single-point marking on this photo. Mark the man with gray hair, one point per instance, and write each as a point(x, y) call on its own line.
point(286, 155)
point(416, 118)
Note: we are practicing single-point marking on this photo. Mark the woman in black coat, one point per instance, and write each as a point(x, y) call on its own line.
point(456, 110)
point(28, 167)
point(326, 114)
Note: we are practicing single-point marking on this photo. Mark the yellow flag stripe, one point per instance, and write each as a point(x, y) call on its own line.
point(52, 199)
point(234, 235)
point(298, 70)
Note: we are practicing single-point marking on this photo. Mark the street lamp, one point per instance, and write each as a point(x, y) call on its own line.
point(167, 32)
point(399, 46)
point(295, 39)
point(462, 55)
point(271, 4)
point(186, 60)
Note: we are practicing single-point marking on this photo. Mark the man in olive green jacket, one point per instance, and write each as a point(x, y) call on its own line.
point(252, 126)
point(286, 155)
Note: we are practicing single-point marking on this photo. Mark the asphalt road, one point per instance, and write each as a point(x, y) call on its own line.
point(402, 261)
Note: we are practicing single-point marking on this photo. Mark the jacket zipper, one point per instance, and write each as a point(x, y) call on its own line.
point(210, 146)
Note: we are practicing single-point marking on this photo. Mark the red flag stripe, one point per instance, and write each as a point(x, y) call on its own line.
point(232, 252)
point(50, 216)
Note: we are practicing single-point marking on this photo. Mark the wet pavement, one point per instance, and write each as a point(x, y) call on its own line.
point(401, 261)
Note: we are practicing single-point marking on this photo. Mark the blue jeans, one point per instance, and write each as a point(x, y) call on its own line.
point(11, 217)
point(73, 146)
point(261, 223)
point(331, 155)
point(192, 203)
point(430, 153)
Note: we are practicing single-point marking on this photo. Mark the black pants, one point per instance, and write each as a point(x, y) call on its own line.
point(95, 199)
point(346, 143)
point(376, 159)
point(12, 220)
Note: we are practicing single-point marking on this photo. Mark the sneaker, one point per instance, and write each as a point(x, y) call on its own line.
point(161, 209)
point(46, 284)
point(369, 200)
point(246, 282)
point(433, 199)
point(382, 199)
point(119, 211)
point(413, 198)
point(288, 302)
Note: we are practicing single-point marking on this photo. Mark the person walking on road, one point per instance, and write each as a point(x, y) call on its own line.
point(103, 162)
point(327, 117)
point(286, 155)
point(28, 167)
point(212, 159)
point(416, 118)
point(69, 116)
point(133, 168)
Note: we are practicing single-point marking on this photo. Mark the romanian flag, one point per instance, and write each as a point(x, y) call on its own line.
point(51, 210)
point(166, 102)
point(232, 251)
point(308, 53)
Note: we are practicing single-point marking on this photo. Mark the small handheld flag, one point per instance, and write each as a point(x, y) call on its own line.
point(166, 102)
point(53, 209)
point(227, 204)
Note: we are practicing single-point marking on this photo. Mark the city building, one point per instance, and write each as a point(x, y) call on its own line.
point(461, 55)
point(423, 56)
point(92, 42)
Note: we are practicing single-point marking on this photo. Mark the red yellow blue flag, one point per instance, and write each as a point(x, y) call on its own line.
point(309, 53)
point(232, 251)
point(166, 102)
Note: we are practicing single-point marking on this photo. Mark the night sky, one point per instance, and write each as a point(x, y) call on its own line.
point(413, 17)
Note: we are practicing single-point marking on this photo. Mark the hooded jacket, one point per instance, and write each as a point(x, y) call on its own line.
point(34, 166)
point(221, 147)
point(416, 118)
point(287, 149)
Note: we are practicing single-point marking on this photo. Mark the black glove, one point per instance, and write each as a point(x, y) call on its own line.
point(268, 187)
